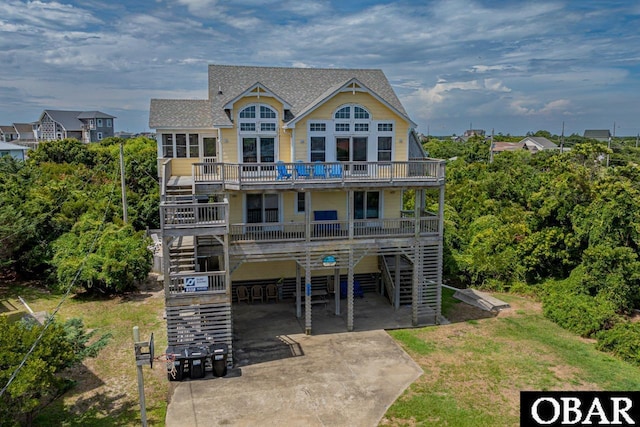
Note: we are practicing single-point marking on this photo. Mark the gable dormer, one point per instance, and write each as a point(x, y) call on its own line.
point(258, 90)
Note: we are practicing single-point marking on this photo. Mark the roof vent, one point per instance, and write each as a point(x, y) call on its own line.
point(219, 90)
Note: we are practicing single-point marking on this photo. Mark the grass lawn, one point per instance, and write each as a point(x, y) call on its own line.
point(475, 369)
point(106, 393)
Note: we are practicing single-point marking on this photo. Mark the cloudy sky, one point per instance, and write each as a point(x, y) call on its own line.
point(506, 65)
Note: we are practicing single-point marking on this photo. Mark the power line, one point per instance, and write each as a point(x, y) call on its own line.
point(56, 206)
point(64, 297)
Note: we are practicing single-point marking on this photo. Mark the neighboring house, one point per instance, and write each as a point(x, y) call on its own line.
point(500, 146)
point(124, 135)
point(474, 132)
point(598, 134)
point(538, 143)
point(85, 126)
point(27, 134)
point(18, 152)
point(8, 133)
point(293, 177)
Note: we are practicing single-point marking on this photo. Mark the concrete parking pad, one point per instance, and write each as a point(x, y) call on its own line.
point(339, 379)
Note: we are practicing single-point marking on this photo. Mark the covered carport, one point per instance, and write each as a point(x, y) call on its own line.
point(285, 377)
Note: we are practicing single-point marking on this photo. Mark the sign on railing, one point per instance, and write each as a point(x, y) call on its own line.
point(196, 284)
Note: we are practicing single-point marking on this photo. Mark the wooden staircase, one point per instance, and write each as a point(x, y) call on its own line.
point(406, 276)
point(428, 294)
point(182, 255)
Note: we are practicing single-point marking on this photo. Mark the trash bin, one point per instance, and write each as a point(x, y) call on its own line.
point(197, 357)
point(219, 353)
point(176, 359)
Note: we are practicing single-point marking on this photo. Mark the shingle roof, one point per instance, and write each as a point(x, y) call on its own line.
point(184, 113)
point(542, 142)
point(597, 133)
point(301, 88)
point(10, 146)
point(23, 127)
point(7, 129)
point(506, 146)
point(95, 115)
point(70, 120)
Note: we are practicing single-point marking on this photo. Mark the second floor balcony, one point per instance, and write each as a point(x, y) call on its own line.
point(213, 219)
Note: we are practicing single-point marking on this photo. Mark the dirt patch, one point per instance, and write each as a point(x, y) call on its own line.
point(462, 312)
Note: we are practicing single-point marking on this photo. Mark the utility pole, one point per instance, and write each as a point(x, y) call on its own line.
point(491, 148)
point(562, 139)
point(142, 358)
point(637, 138)
point(124, 188)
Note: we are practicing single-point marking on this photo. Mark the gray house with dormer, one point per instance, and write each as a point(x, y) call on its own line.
point(85, 126)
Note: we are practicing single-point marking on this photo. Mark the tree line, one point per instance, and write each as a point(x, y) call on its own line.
point(561, 225)
point(61, 213)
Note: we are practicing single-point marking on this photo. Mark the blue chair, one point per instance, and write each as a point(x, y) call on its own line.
point(358, 292)
point(283, 173)
point(301, 170)
point(319, 171)
point(335, 171)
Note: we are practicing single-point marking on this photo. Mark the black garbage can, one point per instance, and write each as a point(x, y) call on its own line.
point(197, 358)
point(176, 359)
point(219, 353)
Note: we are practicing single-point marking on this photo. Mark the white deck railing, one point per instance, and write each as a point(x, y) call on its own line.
point(318, 172)
point(189, 215)
point(328, 230)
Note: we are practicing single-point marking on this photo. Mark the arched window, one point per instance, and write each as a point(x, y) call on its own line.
point(352, 130)
point(257, 127)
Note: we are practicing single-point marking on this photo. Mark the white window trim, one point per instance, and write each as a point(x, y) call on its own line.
point(351, 133)
point(380, 204)
point(257, 133)
point(280, 208)
point(392, 133)
point(295, 203)
point(174, 146)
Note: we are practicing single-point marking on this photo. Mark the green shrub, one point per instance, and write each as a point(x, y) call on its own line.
point(579, 313)
point(623, 340)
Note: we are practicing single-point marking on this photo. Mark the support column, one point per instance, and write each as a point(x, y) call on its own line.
point(298, 293)
point(307, 294)
point(350, 290)
point(227, 271)
point(166, 264)
point(350, 214)
point(417, 212)
point(336, 290)
point(415, 297)
point(396, 288)
point(440, 254)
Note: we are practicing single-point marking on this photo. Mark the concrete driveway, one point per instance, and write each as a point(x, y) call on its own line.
point(286, 378)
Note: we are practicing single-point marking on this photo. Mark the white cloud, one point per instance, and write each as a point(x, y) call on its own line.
point(441, 91)
point(559, 106)
point(47, 15)
point(448, 60)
